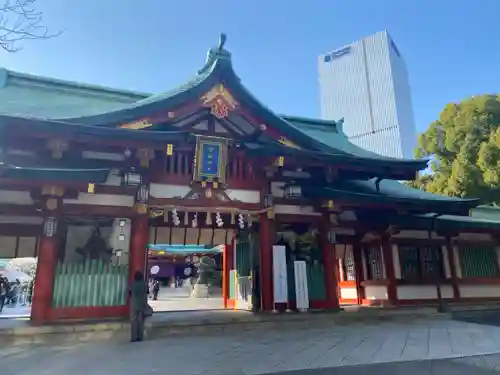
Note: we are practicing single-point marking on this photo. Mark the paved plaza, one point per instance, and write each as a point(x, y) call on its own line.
point(355, 349)
point(179, 299)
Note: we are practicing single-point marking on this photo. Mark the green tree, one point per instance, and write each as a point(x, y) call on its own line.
point(464, 146)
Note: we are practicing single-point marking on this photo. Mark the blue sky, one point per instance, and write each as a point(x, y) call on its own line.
point(451, 47)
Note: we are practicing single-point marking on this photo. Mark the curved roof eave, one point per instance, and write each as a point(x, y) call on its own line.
point(160, 102)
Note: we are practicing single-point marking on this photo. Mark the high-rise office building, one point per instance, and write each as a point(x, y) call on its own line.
point(366, 83)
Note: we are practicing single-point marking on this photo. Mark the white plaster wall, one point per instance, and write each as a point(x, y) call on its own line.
point(113, 178)
point(423, 291)
point(295, 210)
point(277, 189)
point(348, 293)
point(15, 197)
point(247, 196)
point(121, 247)
point(376, 292)
point(33, 220)
point(479, 291)
point(168, 190)
point(102, 200)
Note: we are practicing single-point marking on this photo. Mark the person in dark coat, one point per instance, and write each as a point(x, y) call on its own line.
point(3, 292)
point(138, 304)
point(156, 289)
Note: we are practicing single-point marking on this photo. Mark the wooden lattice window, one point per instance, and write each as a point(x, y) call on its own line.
point(421, 262)
point(374, 264)
point(477, 261)
point(349, 266)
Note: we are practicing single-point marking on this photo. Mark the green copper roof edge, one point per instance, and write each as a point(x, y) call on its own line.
point(310, 120)
point(431, 198)
point(75, 85)
point(446, 221)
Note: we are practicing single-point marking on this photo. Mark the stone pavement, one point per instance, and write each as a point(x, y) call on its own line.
point(332, 350)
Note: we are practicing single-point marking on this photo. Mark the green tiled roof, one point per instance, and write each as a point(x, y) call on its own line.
point(24, 94)
point(312, 135)
point(390, 192)
point(331, 134)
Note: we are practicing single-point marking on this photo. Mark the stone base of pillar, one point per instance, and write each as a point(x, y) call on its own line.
point(200, 291)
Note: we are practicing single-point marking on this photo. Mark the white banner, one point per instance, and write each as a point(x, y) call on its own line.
point(301, 290)
point(280, 277)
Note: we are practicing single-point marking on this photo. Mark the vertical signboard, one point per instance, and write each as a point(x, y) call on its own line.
point(301, 287)
point(280, 277)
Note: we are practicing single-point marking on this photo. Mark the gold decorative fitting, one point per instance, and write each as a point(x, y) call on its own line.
point(215, 185)
point(220, 101)
point(170, 149)
point(141, 208)
point(52, 191)
point(288, 143)
point(330, 205)
point(51, 204)
point(91, 188)
point(145, 155)
point(57, 146)
point(270, 213)
point(280, 161)
point(140, 124)
point(203, 184)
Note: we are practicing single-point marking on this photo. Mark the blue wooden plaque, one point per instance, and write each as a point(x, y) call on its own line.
point(210, 159)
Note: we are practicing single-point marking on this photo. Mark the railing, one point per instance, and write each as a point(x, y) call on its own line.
point(179, 170)
point(92, 283)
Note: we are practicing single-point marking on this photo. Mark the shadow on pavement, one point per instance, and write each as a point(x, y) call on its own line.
point(478, 365)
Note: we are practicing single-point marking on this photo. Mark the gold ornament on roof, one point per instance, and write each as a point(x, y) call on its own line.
point(137, 125)
point(288, 143)
point(220, 101)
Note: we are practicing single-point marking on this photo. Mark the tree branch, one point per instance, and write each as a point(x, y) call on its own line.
point(20, 20)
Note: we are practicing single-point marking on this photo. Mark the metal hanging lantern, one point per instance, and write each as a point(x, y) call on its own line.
point(143, 194)
point(293, 191)
point(50, 226)
point(132, 178)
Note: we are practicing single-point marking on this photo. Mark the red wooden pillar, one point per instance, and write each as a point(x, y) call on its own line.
point(227, 266)
point(329, 266)
point(389, 269)
point(45, 273)
point(453, 270)
point(139, 237)
point(266, 262)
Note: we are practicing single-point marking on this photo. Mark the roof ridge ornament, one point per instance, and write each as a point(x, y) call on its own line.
point(216, 53)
